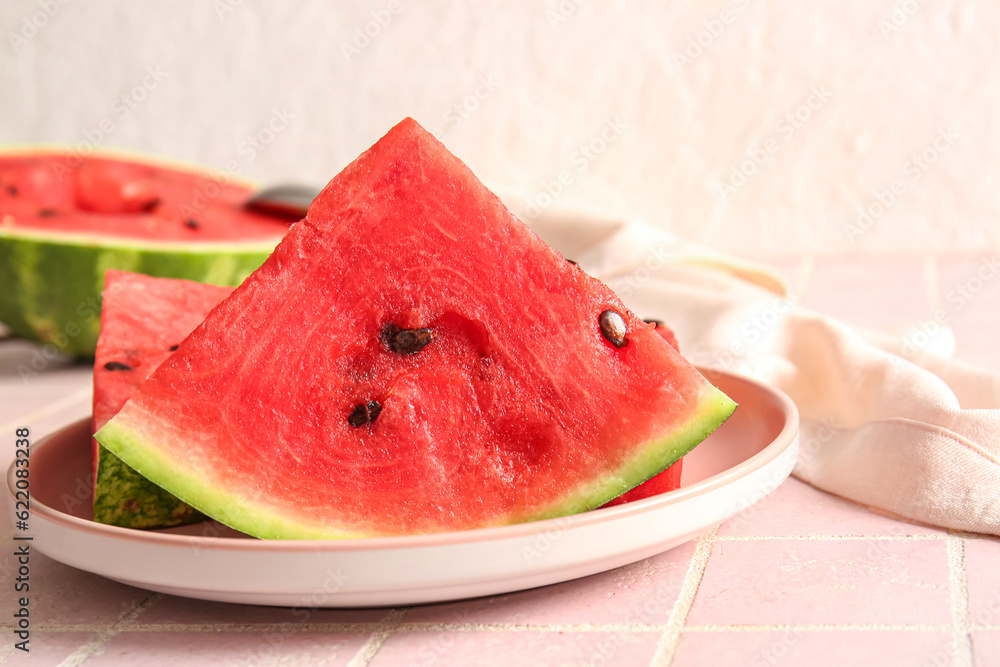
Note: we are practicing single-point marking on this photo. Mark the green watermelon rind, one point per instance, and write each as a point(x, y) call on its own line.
point(712, 409)
point(224, 507)
point(155, 507)
point(53, 282)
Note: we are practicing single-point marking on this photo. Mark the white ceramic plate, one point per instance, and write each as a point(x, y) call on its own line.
point(735, 467)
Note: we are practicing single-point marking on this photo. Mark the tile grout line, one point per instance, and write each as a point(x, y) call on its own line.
point(558, 628)
point(48, 411)
point(666, 649)
point(95, 646)
point(926, 537)
point(820, 627)
point(959, 585)
point(389, 625)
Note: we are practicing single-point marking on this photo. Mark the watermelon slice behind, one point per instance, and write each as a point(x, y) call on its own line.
point(143, 319)
point(412, 359)
point(66, 219)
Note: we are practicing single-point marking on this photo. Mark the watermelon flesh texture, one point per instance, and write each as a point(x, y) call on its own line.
point(143, 319)
point(289, 414)
point(66, 219)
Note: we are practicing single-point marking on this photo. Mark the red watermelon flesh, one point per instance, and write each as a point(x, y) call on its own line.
point(113, 197)
point(412, 359)
point(143, 319)
point(668, 480)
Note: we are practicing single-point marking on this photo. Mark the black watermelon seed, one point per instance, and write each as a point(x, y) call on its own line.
point(571, 261)
point(153, 204)
point(358, 416)
point(12, 190)
point(192, 223)
point(613, 328)
point(364, 413)
point(406, 341)
point(655, 323)
point(173, 348)
point(117, 366)
point(47, 212)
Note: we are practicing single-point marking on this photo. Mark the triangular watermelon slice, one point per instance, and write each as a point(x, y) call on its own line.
point(143, 319)
point(412, 359)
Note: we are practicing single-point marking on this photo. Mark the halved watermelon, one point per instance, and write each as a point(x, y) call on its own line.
point(412, 359)
point(66, 219)
point(143, 319)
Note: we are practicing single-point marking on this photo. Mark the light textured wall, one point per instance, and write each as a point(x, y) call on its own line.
point(753, 125)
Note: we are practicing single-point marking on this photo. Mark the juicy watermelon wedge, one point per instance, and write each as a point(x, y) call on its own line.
point(143, 319)
point(412, 359)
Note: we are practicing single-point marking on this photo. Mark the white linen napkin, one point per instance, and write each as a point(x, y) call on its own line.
point(911, 435)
